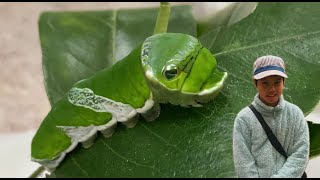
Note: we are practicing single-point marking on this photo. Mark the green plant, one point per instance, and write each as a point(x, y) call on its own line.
point(195, 142)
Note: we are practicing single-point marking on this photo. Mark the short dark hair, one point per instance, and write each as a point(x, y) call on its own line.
point(256, 80)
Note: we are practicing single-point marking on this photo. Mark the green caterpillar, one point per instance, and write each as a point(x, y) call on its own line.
point(168, 68)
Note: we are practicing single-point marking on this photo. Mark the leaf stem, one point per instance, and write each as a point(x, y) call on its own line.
point(37, 172)
point(163, 18)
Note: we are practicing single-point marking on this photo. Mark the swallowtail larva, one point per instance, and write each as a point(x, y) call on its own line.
point(168, 68)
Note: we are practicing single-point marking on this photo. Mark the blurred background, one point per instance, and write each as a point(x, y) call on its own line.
point(23, 100)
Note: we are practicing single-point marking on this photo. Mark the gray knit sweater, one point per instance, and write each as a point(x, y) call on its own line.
point(253, 154)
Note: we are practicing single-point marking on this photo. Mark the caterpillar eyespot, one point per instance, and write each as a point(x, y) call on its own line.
point(170, 72)
point(164, 69)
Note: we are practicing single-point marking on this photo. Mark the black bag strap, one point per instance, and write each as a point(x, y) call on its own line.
point(273, 139)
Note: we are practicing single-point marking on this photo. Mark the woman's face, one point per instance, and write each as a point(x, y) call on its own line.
point(270, 89)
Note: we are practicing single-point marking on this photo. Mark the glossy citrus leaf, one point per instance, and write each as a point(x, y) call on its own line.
point(197, 142)
point(77, 44)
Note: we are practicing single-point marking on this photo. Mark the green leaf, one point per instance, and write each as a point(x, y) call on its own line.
point(75, 45)
point(288, 30)
point(197, 142)
point(314, 130)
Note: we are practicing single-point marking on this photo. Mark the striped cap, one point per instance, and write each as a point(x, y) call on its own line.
point(268, 65)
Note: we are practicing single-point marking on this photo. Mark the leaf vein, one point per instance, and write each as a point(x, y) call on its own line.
point(316, 149)
point(128, 160)
point(214, 39)
point(114, 36)
point(161, 138)
point(75, 162)
point(81, 61)
point(269, 42)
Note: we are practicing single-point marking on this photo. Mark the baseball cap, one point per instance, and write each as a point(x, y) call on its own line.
point(268, 65)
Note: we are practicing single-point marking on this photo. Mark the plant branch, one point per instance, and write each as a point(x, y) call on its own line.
point(163, 18)
point(37, 172)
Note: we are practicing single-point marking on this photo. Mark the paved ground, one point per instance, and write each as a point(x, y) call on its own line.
point(23, 100)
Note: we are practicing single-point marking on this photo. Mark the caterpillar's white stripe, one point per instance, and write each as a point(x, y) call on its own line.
point(85, 97)
point(87, 134)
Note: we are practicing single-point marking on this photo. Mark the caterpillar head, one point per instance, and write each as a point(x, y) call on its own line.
point(179, 70)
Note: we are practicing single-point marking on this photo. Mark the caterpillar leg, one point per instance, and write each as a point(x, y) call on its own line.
point(83, 135)
point(153, 113)
point(130, 123)
point(89, 142)
point(108, 129)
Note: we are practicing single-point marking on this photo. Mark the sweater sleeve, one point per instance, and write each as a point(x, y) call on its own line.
point(244, 162)
point(297, 161)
